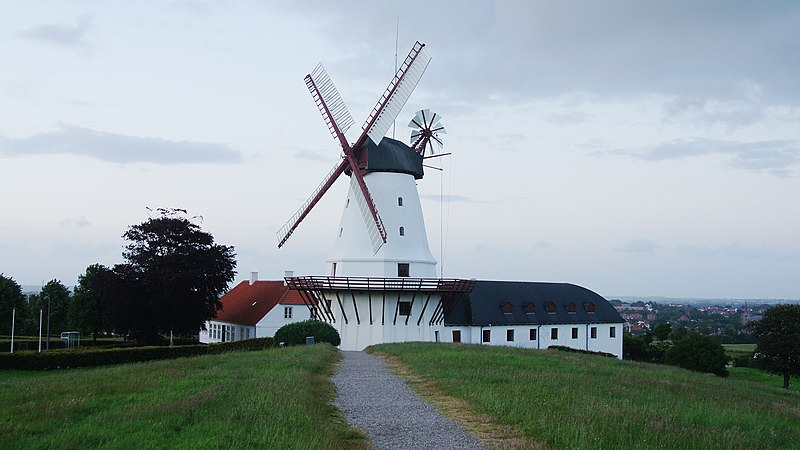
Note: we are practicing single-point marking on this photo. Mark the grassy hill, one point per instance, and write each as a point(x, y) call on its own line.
point(566, 400)
point(279, 399)
point(265, 399)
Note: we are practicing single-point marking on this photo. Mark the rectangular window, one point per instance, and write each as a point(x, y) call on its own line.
point(533, 334)
point(554, 334)
point(612, 332)
point(287, 312)
point(247, 333)
point(404, 308)
point(233, 333)
point(456, 335)
point(403, 270)
point(593, 330)
point(436, 333)
point(487, 335)
point(510, 335)
point(574, 332)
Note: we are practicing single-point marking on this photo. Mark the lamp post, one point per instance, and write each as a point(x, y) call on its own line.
point(48, 321)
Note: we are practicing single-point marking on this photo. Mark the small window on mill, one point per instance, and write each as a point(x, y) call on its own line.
point(507, 308)
point(550, 307)
point(530, 308)
point(402, 231)
point(399, 201)
point(590, 307)
point(571, 308)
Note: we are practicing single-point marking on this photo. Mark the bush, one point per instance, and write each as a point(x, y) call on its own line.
point(89, 357)
point(699, 353)
point(657, 351)
point(634, 348)
point(296, 333)
point(563, 348)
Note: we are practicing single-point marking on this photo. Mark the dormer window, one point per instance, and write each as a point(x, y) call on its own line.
point(399, 201)
point(507, 308)
point(571, 308)
point(589, 307)
point(550, 307)
point(530, 308)
point(402, 231)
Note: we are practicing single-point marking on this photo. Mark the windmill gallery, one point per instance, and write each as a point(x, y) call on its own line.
point(380, 283)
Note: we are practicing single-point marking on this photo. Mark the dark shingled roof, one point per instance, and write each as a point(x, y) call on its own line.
point(510, 303)
point(248, 303)
point(393, 156)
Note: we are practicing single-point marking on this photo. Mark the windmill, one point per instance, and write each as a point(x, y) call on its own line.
point(427, 128)
point(354, 160)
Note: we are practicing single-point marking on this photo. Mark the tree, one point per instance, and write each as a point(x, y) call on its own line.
point(87, 307)
point(59, 297)
point(678, 333)
point(634, 348)
point(778, 341)
point(10, 298)
point(172, 280)
point(699, 353)
point(662, 331)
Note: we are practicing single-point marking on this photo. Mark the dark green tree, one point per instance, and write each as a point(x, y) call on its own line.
point(59, 297)
point(11, 298)
point(634, 348)
point(778, 341)
point(662, 331)
point(678, 333)
point(172, 279)
point(86, 312)
point(699, 353)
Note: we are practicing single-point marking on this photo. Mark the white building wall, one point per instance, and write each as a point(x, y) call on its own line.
point(270, 323)
point(384, 327)
point(352, 252)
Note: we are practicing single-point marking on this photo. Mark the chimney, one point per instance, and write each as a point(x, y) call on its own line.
point(287, 274)
point(253, 278)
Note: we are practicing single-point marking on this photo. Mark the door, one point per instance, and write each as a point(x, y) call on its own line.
point(456, 335)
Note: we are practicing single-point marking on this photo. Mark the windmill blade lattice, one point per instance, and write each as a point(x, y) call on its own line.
point(427, 128)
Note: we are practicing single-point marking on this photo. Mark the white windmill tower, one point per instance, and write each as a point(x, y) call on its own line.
point(381, 245)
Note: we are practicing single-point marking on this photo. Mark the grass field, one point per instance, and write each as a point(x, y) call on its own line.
point(565, 400)
point(266, 399)
point(735, 350)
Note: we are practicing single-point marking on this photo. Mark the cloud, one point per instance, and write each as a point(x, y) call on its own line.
point(312, 155)
point(638, 246)
point(450, 198)
point(697, 111)
point(117, 148)
point(779, 157)
point(568, 117)
point(62, 34)
point(80, 222)
point(738, 250)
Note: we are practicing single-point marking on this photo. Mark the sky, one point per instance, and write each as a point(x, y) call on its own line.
point(634, 148)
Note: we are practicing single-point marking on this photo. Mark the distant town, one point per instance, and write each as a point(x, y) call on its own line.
point(726, 320)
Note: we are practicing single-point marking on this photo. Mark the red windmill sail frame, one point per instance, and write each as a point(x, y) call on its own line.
point(351, 153)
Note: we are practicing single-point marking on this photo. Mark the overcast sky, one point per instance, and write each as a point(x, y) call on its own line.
point(634, 148)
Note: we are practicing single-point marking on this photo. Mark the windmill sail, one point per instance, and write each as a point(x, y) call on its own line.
point(376, 238)
point(396, 94)
point(326, 96)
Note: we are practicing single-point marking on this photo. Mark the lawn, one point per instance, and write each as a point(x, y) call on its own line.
point(265, 399)
point(565, 400)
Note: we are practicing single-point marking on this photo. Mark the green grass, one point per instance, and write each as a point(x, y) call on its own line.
point(265, 399)
point(757, 376)
point(566, 400)
point(735, 350)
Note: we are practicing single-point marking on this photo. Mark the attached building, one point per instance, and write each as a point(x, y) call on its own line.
point(254, 309)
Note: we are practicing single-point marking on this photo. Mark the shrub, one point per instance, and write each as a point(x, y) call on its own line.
point(296, 333)
point(657, 350)
point(634, 348)
point(88, 357)
point(699, 353)
point(563, 348)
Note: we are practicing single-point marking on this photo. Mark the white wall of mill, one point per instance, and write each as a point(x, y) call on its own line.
point(352, 251)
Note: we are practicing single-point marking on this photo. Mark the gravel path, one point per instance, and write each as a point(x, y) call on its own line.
point(389, 412)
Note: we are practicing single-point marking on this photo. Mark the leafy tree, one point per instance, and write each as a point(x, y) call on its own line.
point(657, 350)
point(10, 298)
point(59, 297)
point(172, 280)
point(87, 307)
point(662, 331)
point(634, 348)
point(678, 333)
point(778, 341)
point(699, 353)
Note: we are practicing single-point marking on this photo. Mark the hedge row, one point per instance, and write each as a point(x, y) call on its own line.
point(562, 348)
point(89, 357)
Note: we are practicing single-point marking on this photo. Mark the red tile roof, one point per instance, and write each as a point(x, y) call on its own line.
point(247, 303)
